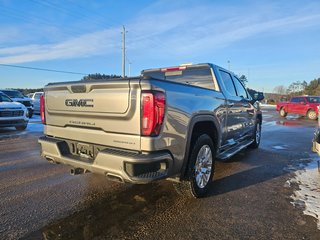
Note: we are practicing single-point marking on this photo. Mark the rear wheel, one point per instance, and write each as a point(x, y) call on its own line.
point(312, 115)
point(282, 112)
point(201, 168)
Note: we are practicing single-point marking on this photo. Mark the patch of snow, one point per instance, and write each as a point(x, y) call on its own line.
point(266, 106)
point(284, 147)
point(308, 195)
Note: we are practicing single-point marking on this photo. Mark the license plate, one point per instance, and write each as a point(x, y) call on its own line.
point(85, 150)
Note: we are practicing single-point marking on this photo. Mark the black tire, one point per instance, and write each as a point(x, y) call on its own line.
point(256, 136)
point(21, 127)
point(283, 112)
point(30, 113)
point(312, 115)
point(198, 181)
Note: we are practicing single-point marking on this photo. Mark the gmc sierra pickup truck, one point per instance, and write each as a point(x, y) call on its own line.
point(303, 105)
point(167, 123)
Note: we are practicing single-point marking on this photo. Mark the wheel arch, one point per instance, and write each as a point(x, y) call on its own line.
point(200, 124)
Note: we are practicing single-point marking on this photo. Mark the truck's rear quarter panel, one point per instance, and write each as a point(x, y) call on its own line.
point(183, 102)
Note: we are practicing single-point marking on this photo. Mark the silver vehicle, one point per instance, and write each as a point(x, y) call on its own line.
point(12, 114)
point(167, 123)
point(35, 97)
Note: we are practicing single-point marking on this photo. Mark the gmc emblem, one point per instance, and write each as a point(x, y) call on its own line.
point(79, 102)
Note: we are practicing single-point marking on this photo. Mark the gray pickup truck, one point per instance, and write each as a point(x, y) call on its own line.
point(167, 123)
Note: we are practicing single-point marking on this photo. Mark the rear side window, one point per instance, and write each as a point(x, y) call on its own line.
point(228, 83)
point(195, 77)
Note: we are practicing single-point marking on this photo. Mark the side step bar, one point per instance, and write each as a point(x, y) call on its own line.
point(229, 153)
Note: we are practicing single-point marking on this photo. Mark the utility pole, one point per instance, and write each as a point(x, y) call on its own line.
point(123, 51)
point(129, 68)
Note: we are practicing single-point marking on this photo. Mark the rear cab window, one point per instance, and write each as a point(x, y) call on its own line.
point(199, 77)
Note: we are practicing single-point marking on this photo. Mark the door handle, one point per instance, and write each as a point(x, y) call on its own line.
point(229, 105)
point(250, 111)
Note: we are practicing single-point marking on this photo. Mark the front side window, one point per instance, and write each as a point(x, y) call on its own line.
point(295, 100)
point(241, 91)
point(313, 99)
point(228, 83)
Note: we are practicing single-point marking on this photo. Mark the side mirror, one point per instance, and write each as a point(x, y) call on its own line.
point(302, 103)
point(258, 96)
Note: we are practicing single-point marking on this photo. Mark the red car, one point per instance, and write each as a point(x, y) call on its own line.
point(303, 105)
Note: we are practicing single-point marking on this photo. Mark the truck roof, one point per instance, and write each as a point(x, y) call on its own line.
point(180, 67)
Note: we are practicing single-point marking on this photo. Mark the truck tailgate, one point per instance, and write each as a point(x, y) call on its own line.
point(110, 106)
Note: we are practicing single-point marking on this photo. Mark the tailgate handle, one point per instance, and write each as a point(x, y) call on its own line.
point(78, 88)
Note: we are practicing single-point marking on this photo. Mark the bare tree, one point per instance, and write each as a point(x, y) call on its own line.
point(280, 89)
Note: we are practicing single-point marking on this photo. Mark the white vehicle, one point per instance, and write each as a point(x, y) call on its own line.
point(17, 96)
point(35, 97)
point(12, 114)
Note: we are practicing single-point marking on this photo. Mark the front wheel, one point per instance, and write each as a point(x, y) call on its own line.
point(201, 167)
point(312, 115)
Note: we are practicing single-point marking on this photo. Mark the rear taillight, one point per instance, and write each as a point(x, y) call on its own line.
point(153, 108)
point(42, 110)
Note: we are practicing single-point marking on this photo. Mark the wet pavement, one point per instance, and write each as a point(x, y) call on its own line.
point(249, 198)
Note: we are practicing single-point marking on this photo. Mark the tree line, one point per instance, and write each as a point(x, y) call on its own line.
point(297, 88)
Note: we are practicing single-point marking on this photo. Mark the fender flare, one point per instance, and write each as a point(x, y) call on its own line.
point(194, 120)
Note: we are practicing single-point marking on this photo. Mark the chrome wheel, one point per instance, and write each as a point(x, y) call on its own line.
point(312, 115)
point(203, 166)
point(282, 112)
point(258, 133)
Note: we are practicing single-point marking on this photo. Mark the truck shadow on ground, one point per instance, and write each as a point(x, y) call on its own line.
point(237, 173)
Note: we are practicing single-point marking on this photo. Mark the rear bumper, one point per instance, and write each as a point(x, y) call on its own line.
point(117, 164)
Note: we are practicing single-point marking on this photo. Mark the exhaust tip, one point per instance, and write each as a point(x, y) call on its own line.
point(50, 160)
point(76, 171)
point(114, 177)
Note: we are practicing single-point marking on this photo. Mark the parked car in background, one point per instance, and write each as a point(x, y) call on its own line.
point(303, 105)
point(35, 97)
point(12, 114)
point(17, 96)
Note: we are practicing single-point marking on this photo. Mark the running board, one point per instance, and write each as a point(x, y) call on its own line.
point(229, 153)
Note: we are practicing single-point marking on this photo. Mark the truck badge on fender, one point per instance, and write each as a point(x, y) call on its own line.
point(79, 102)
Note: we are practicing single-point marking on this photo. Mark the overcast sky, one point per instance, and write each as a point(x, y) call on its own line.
point(271, 42)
